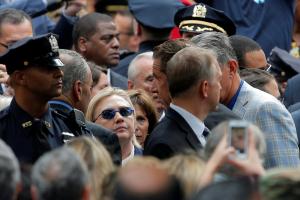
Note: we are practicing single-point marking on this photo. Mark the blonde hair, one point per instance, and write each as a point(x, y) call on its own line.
point(106, 92)
point(97, 160)
point(188, 169)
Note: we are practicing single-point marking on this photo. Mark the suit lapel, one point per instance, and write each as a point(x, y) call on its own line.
point(242, 101)
point(189, 133)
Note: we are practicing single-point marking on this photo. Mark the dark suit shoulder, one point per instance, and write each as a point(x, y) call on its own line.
point(221, 114)
point(108, 139)
point(118, 80)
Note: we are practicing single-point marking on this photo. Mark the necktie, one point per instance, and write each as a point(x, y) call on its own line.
point(206, 132)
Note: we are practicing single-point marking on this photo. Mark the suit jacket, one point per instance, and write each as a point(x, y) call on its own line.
point(296, 117)
point(172, 135)
point(292, 95)
point(221, 114)
point(275, 121)
point(116, 80)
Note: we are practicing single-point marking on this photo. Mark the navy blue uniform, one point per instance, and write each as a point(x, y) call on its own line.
point(23, 133)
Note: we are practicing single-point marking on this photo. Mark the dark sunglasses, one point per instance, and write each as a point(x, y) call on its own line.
point(111, 113)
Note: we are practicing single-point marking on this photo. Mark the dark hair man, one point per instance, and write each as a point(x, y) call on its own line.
point(253, 105)
point(194, 83)
point(95, 37)
point(60, 174)
point(76, 93)
point(162, 54)
point(249, 53)
point(28, 126)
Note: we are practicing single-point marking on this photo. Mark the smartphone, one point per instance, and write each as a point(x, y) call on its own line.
point(238, 137)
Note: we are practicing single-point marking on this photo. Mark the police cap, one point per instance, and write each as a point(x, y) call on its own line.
point(157, 14)
point(38, 50)
point(199, 18)
point(283, 65)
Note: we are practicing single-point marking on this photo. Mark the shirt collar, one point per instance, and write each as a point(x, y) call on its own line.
point(232, 101)
point(196, 124)
point(125, 160)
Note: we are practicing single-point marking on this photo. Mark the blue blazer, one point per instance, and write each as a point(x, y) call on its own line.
point(271, 116)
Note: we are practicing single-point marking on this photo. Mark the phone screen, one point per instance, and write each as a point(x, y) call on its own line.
point(238, 138)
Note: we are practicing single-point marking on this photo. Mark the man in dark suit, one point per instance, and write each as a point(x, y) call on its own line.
point(194, 84)
point(161, 55)
point(76, 94)
point(95, 37)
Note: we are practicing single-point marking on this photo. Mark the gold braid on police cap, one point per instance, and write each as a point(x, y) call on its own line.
point(209, 24)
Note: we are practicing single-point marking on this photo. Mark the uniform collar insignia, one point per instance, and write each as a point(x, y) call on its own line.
point(26, 124)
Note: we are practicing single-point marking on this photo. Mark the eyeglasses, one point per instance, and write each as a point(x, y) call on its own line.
point(268, 67)
point(4, 45)
point(111, 113)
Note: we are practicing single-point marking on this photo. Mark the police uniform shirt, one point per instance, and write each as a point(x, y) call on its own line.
point(18, 129)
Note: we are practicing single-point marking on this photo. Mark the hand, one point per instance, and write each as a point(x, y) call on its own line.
point(217, 159)
point(76, 8)
point(3, 74)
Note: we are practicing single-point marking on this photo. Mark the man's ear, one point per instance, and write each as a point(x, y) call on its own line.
point(19, 77)
point(77, 90)
point(203, 88)
point(82, 44)
point(233, 67)
point(130, 84)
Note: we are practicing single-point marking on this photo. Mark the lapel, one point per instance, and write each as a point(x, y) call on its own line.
point(242, 101)
point(187, 131)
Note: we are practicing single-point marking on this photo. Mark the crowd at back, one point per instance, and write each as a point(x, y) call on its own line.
point(146, 100)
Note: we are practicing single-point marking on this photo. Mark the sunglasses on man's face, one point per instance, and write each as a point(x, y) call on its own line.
point(111, 113)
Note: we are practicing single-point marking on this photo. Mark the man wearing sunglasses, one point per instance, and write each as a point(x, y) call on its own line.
point(249, 53)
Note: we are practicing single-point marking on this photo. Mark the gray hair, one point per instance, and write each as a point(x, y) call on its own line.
point(133, 69)
point(60, 174)
point(75, 68)
point(187, 67)
point(12, 16)
point(218, 42)
point(9, 172)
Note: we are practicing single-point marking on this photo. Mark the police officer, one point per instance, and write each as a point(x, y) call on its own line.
point(155, 22)
point(28, 126)
point(283, 66)
point(200, 18)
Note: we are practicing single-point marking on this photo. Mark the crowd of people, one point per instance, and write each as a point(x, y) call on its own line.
point(149, 100)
